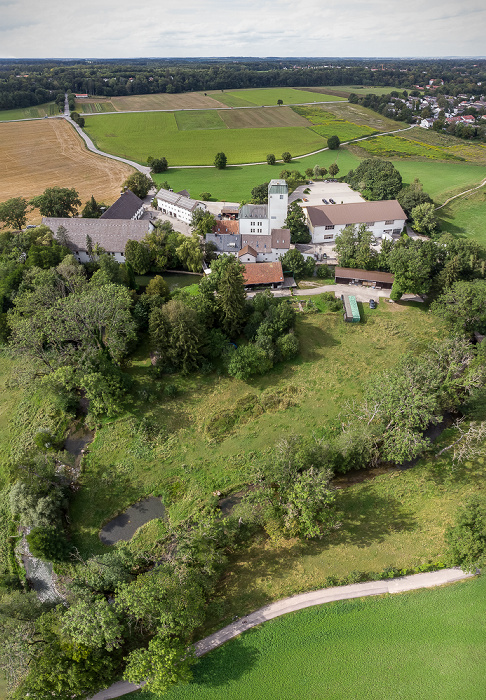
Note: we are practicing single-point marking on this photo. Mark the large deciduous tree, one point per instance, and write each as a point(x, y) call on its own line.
point(139, 184)
point(333, 143)
point(13, 212)
point(295, 221)
point(467, 537)
point(414, 264)
point(57, 202)
point(176, 335)
point(138, 255)
point(376, 179)
point(463, 306)
point(354, 248)
point(220, 161)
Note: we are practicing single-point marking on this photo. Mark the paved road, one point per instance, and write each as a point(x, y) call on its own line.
point(306, 600)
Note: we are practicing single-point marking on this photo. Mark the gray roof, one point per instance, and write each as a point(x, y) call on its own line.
point(177, 199)
point(225, 242)
point(111, 234)
point(254, 211)
point(355, 213)
point(125, 207)
point(278, 187)
point(280, 238)
point(263, 243)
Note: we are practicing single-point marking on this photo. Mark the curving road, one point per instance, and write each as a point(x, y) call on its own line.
point(305, 600)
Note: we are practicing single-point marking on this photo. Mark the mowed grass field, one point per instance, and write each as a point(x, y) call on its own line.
point(425, 645)
point(36, 155)
point(270, 96)
point(466, 216)
point(137, 136)
point(48, 109)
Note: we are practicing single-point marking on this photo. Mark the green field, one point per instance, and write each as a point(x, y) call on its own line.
point(48, 109)
point(93, 106)
point(395, 146)
point(425, 645)
point(204, 119)
point(327, 124)
point(136, 136)
point(466, 216)
point(270, 96)
point(346, 90)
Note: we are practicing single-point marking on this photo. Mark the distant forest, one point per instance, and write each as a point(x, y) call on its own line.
point(31, 82)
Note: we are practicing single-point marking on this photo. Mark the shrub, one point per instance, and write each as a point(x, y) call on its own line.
point(247, 360)
point(333, 143)
point(324, 272)
point(271, 159)
point(286, 157)
point(220, 161)
point(205, 196)
point(48, 543)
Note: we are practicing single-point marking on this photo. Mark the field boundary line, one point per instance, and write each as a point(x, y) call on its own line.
point(302, 601)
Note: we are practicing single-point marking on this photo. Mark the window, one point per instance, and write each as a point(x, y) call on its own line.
point(390, 223)
point(252, 230)
point(396, 230)
point(328, 238)
point(274, 217)
point(329, 228)
point(252, 223)
point(370, 223)
point(281, 196)
point(387, 230)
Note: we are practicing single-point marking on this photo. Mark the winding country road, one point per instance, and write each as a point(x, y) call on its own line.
point(305, 600)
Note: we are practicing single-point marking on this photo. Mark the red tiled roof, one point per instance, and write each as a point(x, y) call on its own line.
point(226, 226)
point(248, 250)
point(263, 273)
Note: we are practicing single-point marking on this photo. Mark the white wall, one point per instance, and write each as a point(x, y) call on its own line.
point(277, 209)
point(255, 226)
point(380, 230)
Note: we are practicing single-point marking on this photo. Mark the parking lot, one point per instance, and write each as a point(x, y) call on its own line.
point(340, 192)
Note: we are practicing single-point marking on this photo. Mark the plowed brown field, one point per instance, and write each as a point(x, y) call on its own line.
point(39, 154)
point(182, 100)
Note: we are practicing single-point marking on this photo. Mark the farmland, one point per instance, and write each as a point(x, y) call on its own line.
point(164, 101)
point(94, 105)
point(346, 90)
point(269, 96)
point(36, 155)
point(136, 136)
point(48, 109)
point(326, 124)
point(425, 645)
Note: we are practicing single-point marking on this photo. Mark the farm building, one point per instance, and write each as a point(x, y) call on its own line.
point(127, 206)
point(384, 219)
point(261, 274)
point(177, 205)
point(225, 242)
point(367, 278)
point(110, 234)
point(263, 218)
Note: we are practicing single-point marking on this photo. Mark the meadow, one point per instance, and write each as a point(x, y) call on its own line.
point(94, 105)
point(465, 216)
point(36, 155)
point(426, 645)
point(327, 124)
point(270, 96)
point(48, 109)
point(346, 90)
point(137, 136)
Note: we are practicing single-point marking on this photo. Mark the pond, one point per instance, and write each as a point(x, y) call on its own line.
point(124, 526)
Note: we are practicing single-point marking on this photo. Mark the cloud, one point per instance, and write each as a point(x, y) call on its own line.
point(121, 28)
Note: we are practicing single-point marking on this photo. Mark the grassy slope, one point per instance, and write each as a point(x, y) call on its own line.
point(466, 216)
point(425, 645)
point(335, 361)
point(9, 400)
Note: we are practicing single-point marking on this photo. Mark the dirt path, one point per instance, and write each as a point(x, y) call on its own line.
point(461, 194)
point(306, 600)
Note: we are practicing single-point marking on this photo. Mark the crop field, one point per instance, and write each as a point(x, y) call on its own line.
point(136, 136)
point(263, 118)
point(466, 216)
point(183, 100)
point(425, 645)
point(205, 119)
point(48, 109)
point(395, 146)
point(36, 155)
point(327, 124)
point(269, 96)
point(94, 106)
point(346, 90)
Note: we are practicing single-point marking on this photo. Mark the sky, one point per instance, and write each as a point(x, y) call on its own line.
point(158, 28)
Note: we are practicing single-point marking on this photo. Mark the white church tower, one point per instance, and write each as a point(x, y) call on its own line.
point(278, 201)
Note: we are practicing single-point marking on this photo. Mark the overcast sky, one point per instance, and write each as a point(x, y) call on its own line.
point(124, 28)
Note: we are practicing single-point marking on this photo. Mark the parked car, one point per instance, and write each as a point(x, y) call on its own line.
point(332, 201)
point(325, 201)
point(305, 199)
point(372, 304)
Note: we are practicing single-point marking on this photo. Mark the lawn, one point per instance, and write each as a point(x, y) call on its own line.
point(197, 454)
point(465, 216)
point(236, 182)
point(204, 119)
point(136, 136)
point(48, 109)
point(425, 645)
point(270, 96)
point(441, 180)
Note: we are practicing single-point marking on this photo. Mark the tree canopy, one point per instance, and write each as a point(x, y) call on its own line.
point(376, 179)
point(139, 184)
point(220, 161)
point(13, 212)
point(57, 201)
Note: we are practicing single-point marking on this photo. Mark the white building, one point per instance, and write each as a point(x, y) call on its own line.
point(177, 205)
point(384, 219)
point(262, 218)
point(110, 234)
